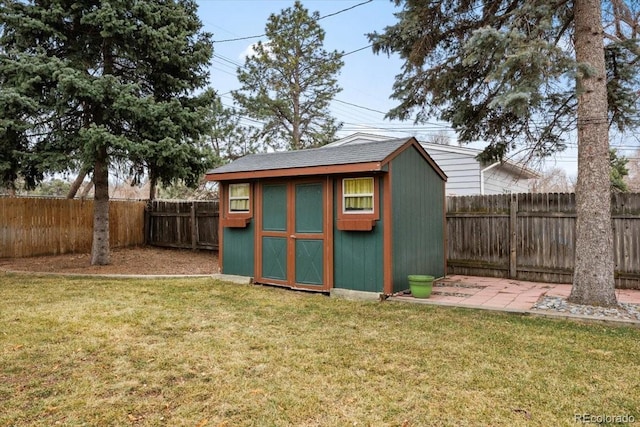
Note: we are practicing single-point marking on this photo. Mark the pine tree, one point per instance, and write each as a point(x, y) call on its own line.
point(525, 74)
point(227, 137)
point(96, 82)
point(290, 81)
point(619, 171)
point(593, 275)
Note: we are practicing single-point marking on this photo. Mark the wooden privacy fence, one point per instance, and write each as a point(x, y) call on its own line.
point(34, 226)
point(532, 237)
point(192, 224)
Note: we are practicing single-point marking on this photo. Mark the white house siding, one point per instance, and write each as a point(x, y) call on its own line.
point(499, 181)
point(463, 172)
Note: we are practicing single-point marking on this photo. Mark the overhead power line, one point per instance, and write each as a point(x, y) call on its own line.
point(239, 38)
point(336, 100)
point(322, 17)
point(354, 51)
point(225, 59)
point(382, 112)
point(359, 106)
point(344, 10)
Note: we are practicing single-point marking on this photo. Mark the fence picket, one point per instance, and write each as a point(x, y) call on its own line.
point(545, 237)
point(188, 224)
point(39, 226)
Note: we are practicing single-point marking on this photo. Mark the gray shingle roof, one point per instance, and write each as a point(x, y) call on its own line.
point(324, 156)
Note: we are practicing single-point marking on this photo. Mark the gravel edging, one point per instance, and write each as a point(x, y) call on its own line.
point(624, 311)
point(578, 315)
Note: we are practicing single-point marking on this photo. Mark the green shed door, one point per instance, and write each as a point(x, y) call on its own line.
point(274, 232)
point(293, 235)
point(309, 234)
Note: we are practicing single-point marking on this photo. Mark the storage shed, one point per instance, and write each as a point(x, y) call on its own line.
point(357, 217)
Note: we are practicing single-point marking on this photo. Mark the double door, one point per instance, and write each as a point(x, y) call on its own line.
point(294, 222)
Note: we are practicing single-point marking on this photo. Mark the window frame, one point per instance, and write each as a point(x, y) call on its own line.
point(237, 219)
point(358, 220)
point(358, 195)
point(247, 198)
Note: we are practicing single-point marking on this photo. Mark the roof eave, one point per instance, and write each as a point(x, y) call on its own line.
point(522, 171)
point(300, 171)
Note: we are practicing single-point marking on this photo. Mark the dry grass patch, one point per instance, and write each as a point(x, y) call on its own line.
point(204, 353)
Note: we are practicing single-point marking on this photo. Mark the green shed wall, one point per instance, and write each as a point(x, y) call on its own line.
point(418, 219)
point(358, 255)
point(238, 250)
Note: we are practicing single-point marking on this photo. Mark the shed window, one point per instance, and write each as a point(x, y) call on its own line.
point(358, 201)
point(358, 195)
point(239, 197)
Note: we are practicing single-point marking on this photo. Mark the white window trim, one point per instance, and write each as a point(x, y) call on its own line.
point(359, 211)
point(247, 198)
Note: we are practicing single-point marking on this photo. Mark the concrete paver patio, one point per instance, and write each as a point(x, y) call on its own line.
point(500, 294)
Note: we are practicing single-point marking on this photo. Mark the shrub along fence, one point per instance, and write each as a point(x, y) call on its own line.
point(39, 226)
point(532, 236)
point(192, 224)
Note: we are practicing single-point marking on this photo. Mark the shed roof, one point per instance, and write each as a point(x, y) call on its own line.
point(369, 157)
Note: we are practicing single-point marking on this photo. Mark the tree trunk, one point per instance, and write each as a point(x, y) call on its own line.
point(153, 185)
point(11, 189)
point(593, 278)
point(86, 189)
point(295, 125)
point(75, 186)
point(100, 248)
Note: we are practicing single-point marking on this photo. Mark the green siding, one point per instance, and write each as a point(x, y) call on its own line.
point(418, 219)
point(238, 250)
point(358, 255)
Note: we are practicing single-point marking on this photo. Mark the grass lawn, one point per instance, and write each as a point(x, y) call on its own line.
point(198, 352)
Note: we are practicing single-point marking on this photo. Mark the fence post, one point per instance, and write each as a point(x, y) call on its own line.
point(513, 236)
point(194, 227)
point(147, 222)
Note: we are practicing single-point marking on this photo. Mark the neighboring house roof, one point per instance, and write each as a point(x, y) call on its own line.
point(466, 175)
point(362, 137)
point(516, 168)
point(357, 138)
point(338, 159)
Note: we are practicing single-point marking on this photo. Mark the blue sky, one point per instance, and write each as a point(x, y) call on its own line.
point(366, 79)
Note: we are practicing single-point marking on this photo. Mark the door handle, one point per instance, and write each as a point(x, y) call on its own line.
point(293, 236)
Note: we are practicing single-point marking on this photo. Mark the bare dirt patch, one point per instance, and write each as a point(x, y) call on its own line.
point(145, 260)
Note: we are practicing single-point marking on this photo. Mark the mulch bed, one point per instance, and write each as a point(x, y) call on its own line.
point(144, 260)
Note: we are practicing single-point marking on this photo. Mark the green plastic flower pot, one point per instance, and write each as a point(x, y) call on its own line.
point(420, 285)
